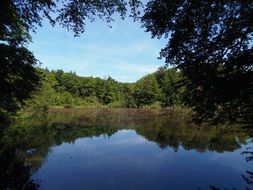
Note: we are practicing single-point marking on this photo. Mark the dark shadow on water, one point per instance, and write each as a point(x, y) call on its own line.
point(15, 172)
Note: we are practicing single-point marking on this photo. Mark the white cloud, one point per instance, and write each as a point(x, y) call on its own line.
point(122, 51)
point(137, 67)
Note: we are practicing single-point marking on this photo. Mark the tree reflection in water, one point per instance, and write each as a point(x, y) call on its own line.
point(248, 176)
point(26, 144)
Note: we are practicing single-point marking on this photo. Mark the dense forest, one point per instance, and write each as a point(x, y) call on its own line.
point(59, 88)
point(210, 42)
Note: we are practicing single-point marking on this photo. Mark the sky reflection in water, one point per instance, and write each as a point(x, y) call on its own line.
point(127, 160)
point(118, 150)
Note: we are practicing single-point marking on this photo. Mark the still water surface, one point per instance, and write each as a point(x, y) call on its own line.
point(124, 149)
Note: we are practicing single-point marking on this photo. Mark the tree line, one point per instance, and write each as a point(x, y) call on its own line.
point(210, 42)
point(59, 88)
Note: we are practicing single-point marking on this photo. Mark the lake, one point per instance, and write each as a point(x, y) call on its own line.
point(124, 149)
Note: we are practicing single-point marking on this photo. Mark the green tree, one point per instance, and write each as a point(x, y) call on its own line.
point(146, 91)
point(18, 77)
point(67, 82)
point(19, 17)
point(87, 87)
point(171, 91)
point(211, 42)
point(105, 91)
point(127, 99)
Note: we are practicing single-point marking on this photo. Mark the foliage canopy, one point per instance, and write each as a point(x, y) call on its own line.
point(20, 17)
point(67, 89)
point(211, 42)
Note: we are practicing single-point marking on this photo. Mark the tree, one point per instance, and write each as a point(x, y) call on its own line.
point(18, 77)
point(146, 91)
point(127, 99)
point(45, 96)
point(105, 91)
point(211, 42)
point(171, 92)
point(87, 87)
point(67, 82)
point(19, 17)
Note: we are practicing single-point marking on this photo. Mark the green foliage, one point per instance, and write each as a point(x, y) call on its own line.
point(127, 99)
point(168, 81)
point(67, 89)
point(18, 77)
point(116, 104)
point(107, 91)
point(211, 42)
point(18, 17)
point(146, 91)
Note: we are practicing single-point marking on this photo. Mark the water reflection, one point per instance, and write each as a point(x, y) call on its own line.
point(248, 175)
point(123, 149)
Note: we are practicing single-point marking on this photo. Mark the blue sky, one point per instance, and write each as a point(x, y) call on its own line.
point(123, 51)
